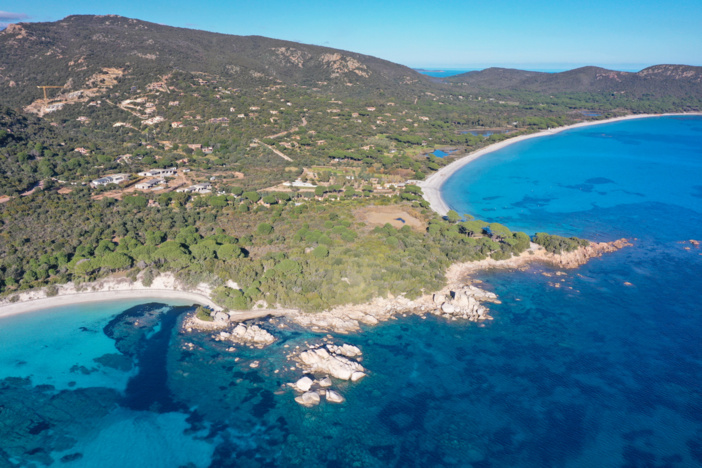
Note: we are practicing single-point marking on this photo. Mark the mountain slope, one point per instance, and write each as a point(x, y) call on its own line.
point(658, 80)
point(70, 52)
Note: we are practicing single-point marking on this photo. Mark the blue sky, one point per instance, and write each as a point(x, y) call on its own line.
point(536, 34)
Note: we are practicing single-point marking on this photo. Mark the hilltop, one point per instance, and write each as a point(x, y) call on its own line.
point(75, 50)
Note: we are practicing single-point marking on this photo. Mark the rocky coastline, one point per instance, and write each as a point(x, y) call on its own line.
point(460, 299)
point(325, 362)
point(537, 254)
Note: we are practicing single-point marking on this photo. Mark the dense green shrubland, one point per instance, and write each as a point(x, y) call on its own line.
point(312, 255)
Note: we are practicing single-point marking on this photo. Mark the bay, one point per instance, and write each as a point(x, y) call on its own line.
point(602, 370)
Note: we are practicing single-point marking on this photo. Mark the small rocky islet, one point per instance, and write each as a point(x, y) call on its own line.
point(323, 362)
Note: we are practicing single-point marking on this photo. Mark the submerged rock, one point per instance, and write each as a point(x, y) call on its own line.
point(334, 397)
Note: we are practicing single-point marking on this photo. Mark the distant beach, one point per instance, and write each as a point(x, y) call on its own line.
point(432, 185)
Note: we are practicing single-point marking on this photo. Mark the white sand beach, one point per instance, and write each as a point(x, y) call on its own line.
point(164, 287)
point(432, 185)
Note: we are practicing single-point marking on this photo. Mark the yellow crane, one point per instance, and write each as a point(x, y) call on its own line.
point(44, 88)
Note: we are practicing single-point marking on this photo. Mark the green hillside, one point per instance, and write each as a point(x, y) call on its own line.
point(277, 153)
point(678, 81)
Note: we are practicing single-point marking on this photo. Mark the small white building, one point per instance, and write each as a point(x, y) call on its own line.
point(109, 179)
point(170, 172)
point(150, 184)
point(204, 187)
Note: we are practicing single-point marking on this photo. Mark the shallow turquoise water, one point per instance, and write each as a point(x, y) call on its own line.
point(592, 373)
point(653, 160)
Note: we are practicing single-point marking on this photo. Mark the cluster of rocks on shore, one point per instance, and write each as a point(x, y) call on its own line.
point(327, 360)
point(249, 335)
point(463, 303)
point(453, 303)
point(323, 363)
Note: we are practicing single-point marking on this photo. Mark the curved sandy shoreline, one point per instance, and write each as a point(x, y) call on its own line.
point(432, 185)
point(99, 296)
point(164, 287)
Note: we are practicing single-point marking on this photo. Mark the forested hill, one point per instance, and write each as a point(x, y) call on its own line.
point(99, 53)
point(71, 51)
point(678, 81)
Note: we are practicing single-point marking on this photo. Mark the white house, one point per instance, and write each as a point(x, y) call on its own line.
point(110, 179)
point(150, 184)
point(170, 172)
point(204, 187)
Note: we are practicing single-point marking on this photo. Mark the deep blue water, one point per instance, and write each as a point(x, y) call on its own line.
point(603, 371)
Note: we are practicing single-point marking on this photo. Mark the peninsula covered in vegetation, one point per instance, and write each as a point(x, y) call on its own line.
point(281, 174)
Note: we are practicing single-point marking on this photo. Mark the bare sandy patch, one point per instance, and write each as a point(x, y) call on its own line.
point(396, 215)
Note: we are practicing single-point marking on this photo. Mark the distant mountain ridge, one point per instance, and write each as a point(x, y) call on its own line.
point(92, 54)
point(658, 80)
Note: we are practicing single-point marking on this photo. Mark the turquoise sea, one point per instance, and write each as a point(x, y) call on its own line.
point(603, 371)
